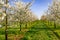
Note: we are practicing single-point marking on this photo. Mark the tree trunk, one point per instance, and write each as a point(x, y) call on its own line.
point(20, 27)
point(6, 38)
point(54, 24)
point(26, 26)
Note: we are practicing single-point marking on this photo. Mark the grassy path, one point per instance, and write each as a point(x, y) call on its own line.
point(37, 31)
point(45, 33)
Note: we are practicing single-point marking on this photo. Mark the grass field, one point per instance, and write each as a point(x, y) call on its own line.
point(37, 30)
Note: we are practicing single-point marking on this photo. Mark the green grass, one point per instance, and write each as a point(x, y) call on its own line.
point(37, 30)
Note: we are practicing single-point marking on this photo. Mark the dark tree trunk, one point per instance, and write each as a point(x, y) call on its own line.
point(54, 24)
point(6, 38)
point(20, 27)
point(26, 25)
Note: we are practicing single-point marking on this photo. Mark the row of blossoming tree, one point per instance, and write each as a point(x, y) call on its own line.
point(17, 12)
point(53, 12)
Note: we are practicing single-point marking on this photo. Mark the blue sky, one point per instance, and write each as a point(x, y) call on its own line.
point(39, 6)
